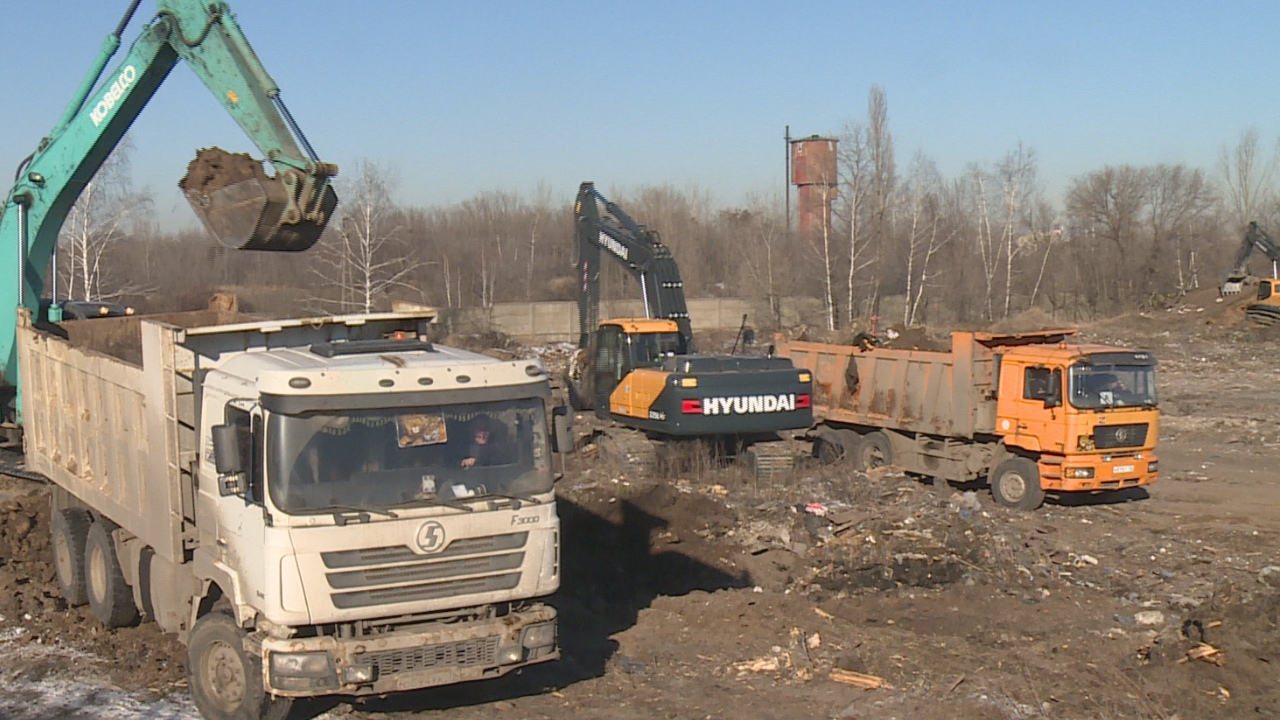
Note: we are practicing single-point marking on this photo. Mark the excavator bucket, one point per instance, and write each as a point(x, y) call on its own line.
point(245, 208)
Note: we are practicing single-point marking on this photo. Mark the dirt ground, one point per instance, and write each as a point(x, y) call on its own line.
point(714, 595)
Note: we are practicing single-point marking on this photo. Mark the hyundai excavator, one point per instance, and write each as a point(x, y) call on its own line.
point(285, 212)
point(644, 373)
point(1266, 311)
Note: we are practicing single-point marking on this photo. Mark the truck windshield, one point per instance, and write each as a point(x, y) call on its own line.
point(648, 349)
point(378, 459)
point(1094, 387)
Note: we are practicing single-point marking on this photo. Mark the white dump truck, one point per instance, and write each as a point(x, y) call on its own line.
point(329, 505)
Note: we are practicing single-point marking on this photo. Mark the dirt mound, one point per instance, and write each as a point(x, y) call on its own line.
point(215, 168)
point(33, 611)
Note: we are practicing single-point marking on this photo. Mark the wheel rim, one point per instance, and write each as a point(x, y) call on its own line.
point(223, 676)
point(1013, 486)
point(97, 574)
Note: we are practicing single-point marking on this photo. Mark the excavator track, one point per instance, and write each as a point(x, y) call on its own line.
point(12, 464)
point(1263, 314)
point(630, 450)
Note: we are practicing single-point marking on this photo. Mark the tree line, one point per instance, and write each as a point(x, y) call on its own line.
point(903, 242)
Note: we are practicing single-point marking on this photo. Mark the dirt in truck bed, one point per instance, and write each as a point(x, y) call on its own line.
point(835, 594)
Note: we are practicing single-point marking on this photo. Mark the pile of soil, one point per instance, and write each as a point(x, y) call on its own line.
point(38, 624)
point(215, 168)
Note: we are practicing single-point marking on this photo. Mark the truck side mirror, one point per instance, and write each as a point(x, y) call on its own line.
point(226, 449)
point(227, 460)
point(562, 429)
point(1054, 398)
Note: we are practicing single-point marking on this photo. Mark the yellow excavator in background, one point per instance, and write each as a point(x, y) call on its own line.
point(1266, 311)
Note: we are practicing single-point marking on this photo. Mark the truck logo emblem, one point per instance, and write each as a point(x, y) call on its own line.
point(1122, 434)
point(431, 537)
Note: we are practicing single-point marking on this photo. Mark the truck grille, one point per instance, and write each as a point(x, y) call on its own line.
point(402, 553)
point(428, 591)
point(1119, 436)
point(396, 574)
point(481, 652)
point(424, 571)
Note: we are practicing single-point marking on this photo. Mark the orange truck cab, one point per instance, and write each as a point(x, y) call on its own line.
point(1029, 412)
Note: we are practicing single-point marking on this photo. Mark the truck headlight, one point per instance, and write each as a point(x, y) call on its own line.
point(303, 671)
point(539, 635)
point(1080, 472)
point(358, 674)
point(510, 655)
point(1153, 466)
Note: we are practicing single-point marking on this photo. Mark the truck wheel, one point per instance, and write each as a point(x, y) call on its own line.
point(110, 597)
point(1016, 484)
point(834, 444)
point(225, 681)
point(70, 530)
point(827, 448)
point(872, 451)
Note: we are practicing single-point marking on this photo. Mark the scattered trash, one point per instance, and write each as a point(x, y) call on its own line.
point(1149, 618)
point(1205, 652)
point(857, 679)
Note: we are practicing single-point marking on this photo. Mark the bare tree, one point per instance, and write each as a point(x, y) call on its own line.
point(855, 179)
point(1108, 205)
point(364, 257)
point(95, 224)
point(1016, 174)
point(1249, 178)
point(923, 209)
point(883, 177)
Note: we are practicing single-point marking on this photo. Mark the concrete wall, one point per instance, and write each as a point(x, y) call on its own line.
point(541, 322)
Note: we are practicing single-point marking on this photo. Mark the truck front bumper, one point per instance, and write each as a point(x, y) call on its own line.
point(1085, 473)
point(427, 655)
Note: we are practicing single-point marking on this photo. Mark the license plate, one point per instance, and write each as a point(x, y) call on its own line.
point(1121, 469)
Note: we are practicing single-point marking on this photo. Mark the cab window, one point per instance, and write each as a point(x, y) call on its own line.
point(249, 438)
point(1037, 383)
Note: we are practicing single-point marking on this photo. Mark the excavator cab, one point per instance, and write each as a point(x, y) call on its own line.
point(245, 208)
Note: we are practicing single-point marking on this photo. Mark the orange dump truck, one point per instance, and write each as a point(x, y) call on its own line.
point(1029, 412)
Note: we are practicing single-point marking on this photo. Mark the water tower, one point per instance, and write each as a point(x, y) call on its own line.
point(813, 172)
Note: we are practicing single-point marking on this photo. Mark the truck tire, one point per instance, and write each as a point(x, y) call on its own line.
point(110, 597)
point(872, 451)
point(832, 445)
point(225, 681)
point(1015, 483)
point(70, 530)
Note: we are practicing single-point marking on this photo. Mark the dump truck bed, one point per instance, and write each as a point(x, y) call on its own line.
point(110, 404)
point(939, 393)
point(109, 417)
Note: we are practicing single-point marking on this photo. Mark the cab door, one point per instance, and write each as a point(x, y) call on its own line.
point(1030, 412)
point(239, 536)
point(609, 366)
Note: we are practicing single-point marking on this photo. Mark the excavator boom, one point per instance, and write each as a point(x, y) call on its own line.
point(640, 251)
point(1255, 238)
point(287, 211)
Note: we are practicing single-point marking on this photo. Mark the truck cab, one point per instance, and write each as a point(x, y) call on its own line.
point(1089, 413)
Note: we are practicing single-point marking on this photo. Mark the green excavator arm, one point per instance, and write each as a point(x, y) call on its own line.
point(286, 211)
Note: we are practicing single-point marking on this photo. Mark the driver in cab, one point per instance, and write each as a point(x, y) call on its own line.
point(484, 447)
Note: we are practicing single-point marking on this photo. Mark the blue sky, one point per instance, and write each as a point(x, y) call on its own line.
point(457, 98)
